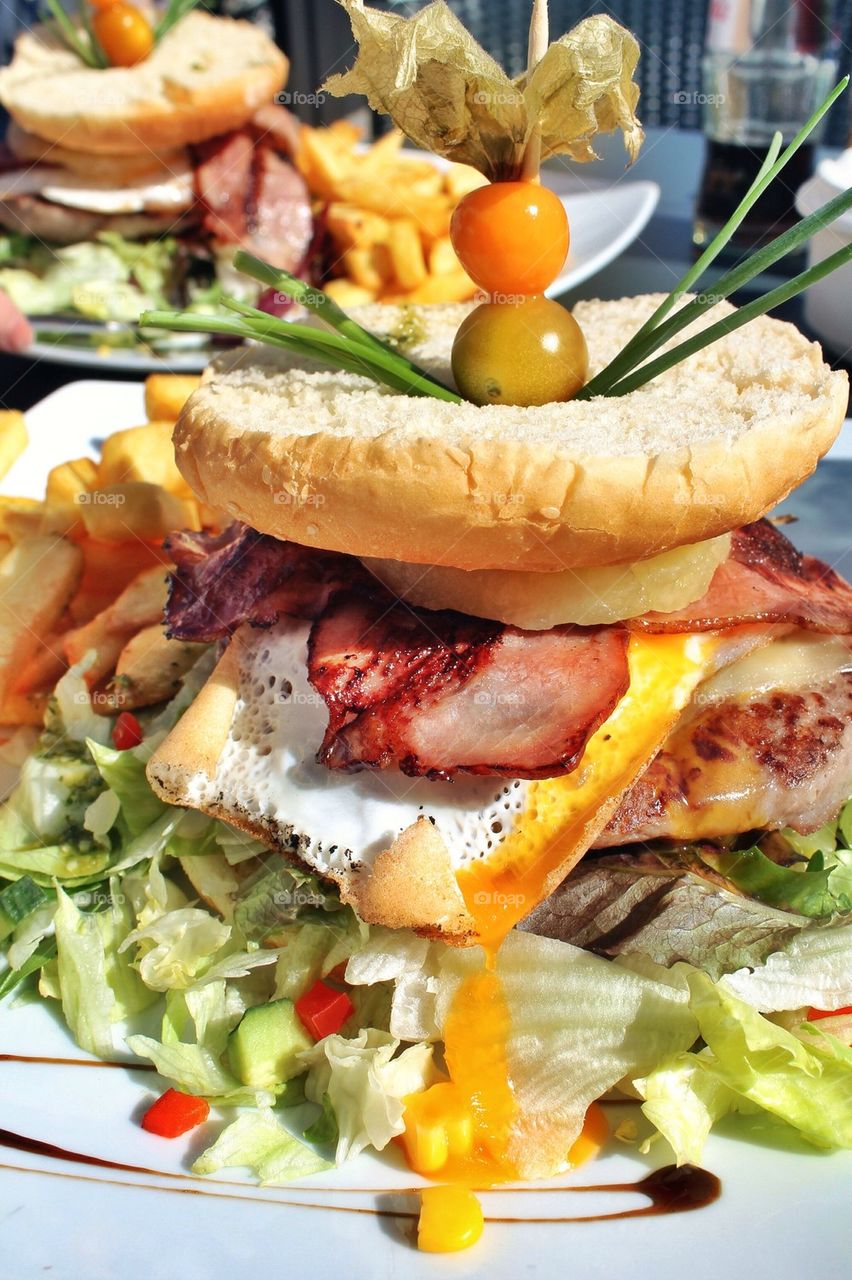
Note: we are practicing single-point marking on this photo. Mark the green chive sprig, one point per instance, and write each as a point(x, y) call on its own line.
point(344, 344)
point(83, 43)
point(623, 373)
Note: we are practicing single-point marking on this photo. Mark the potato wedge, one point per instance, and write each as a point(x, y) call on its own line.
point(140, 605)
point(107, 571)
point(167, 393)
point(406, 252)
point(121, 512)
point(451, 286)
point(370, 268)
point(150, 669)
point(20, 517)
point(346, 294)
point(45, 665)
point(37, 579)
point(354, 228)
point(13, 438)
point(25, 708)
point(67, 485)
point(143, 455)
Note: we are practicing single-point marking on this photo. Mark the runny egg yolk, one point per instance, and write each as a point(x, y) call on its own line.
point(460, 1130)
point(563, 815)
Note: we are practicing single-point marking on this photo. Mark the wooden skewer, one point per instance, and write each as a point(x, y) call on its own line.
point(538, 42)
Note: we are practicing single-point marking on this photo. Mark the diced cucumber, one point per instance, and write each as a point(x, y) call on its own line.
point(19, 900)
point(264, 1048)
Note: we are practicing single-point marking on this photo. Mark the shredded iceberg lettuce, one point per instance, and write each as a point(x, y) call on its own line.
point(749, 1063)
point(365, 1081)
point(260, 1143)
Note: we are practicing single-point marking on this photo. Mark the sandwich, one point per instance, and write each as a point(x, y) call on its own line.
point(466, 646)
point(511, 751)
point(128, 186)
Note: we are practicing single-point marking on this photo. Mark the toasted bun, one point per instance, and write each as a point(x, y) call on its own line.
point(116, 169)
point(334, 461)
point(206, 76)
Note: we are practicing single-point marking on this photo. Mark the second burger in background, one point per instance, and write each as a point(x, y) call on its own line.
point(122, 187)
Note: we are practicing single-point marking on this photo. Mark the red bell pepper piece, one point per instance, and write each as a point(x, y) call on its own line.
point(126, 732)
point(323, 1010)
point(814, 1015)
point(175, 1113)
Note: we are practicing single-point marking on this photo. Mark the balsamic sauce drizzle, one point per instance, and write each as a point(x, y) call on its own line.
point(668, 1190)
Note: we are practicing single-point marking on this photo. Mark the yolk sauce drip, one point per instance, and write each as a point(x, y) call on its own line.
point(460, 1130)
point(500, 890)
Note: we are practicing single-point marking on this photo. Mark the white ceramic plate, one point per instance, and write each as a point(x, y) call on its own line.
point(783, 1213)
point(604, 221)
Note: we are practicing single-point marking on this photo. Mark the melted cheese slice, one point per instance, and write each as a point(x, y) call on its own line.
point(562, 816)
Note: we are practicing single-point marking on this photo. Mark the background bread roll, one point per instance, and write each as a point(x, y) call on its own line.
point(206, 76)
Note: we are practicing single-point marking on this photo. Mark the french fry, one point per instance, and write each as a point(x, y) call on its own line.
point(452, 286)
point(325, 155)
point(167, 393)
point(121, 512)
point(432, 215)
point(461, 179)
point(144, 454)
point(20, 517)
point(13, 438)
point(150, 669)
point(140, 605)
point(25, 708)
point(370, 268)
point(406, 252)
point(37, 579)
point(442, 257)
point(346, 294)
point(66, 486)
point(347, 133)
point(44, 666)
point(107, 571)
point(386, 150)
point(354, 228)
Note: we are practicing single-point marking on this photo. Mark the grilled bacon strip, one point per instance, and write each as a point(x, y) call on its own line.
point(434, 693)
point(437, 693)
point(765, 579)
point(241, 575)
point(431, 693)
